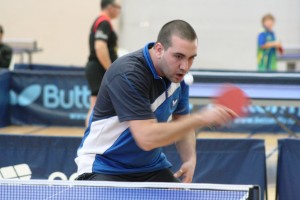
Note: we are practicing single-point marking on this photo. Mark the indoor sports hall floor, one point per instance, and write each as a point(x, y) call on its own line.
point(270, 143)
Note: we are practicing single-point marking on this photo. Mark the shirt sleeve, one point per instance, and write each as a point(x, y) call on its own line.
point(103, 31)
point(183, 107)
point(261, 39)
point(129, 94)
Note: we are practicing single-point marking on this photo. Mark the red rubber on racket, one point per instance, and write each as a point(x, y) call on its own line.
point(233, 98)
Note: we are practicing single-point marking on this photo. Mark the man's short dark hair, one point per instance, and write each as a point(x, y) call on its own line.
point(1, 29)
point(105, 3)
point(179, 28)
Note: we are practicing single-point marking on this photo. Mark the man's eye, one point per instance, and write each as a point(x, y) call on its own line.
point(179, 57)
point(192, 58)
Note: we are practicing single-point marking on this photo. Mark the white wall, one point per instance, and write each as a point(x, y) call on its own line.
point(61, 27)
point(227, 29)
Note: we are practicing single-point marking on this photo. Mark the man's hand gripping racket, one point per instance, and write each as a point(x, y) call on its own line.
point(229, 103)
point(234, 99)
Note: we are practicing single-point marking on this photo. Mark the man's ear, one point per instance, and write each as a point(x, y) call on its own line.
point(159, 50)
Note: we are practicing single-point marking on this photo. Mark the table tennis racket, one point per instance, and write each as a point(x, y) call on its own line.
point(233, 98)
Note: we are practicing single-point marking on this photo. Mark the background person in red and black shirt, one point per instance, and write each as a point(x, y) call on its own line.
point(103, 48)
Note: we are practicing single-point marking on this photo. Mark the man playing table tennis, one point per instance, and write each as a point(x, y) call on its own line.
point(130, 121)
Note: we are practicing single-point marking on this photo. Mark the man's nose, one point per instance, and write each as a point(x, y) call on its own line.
point(184, 66)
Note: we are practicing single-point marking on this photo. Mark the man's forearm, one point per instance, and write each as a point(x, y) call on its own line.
point(186, 148)
point(149, 134)
point(102, 54)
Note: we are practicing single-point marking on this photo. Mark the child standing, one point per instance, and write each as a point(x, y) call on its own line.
point(267, 45)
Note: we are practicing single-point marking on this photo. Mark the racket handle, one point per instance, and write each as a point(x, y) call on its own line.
point(212, 127)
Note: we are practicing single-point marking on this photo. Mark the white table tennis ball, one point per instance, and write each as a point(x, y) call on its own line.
point(188, 78)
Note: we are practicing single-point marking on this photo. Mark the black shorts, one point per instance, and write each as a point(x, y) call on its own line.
point(94, 73)
point(164, 175)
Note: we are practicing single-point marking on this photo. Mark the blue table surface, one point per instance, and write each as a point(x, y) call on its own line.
point(254, 91)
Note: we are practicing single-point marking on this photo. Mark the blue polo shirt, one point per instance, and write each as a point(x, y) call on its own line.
point(266, 58)
point(131, 90)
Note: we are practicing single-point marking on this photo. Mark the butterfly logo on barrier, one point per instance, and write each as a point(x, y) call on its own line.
point(27, 96)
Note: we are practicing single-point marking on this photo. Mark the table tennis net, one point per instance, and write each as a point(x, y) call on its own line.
point(90, 190)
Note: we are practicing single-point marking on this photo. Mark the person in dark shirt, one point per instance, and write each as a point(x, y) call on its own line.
point(5, 52)
point(103, 48)
point(130, 123)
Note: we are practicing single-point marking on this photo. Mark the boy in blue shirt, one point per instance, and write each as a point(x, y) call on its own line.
point(267, 45)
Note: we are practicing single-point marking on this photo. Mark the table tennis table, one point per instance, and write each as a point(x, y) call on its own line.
point(291, 56)
point(92, 190)
point(263, 88)
point(23, 46)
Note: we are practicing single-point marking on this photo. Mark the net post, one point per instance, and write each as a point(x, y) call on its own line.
point(254, 193)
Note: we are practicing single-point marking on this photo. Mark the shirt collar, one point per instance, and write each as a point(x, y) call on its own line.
point(149, 61)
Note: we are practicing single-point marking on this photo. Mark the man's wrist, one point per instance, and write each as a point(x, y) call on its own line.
point(191, 162)
point(199, 120)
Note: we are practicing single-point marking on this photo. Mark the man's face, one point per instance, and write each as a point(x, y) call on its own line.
point(115, 10)
point(175, 62)
point(268, 24)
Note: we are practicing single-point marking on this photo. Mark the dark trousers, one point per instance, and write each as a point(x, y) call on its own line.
point(164, 175)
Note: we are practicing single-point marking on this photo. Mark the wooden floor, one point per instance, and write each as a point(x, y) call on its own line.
point(40, 130)
point(270, 143)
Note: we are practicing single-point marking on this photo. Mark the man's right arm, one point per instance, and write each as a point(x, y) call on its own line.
point(129, 93)
point(101, 37)
point(102, 53)
point(150, 134)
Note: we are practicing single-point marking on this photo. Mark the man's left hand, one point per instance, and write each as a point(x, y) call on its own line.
point(186, 172)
